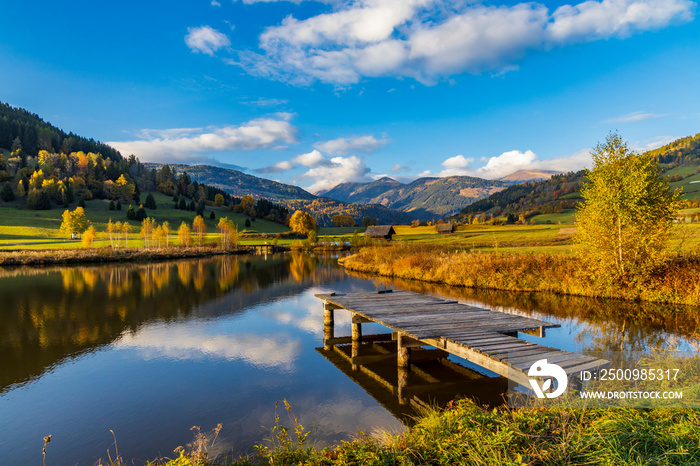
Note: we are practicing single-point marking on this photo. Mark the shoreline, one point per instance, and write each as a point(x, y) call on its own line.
point(676, 283)
point(16, 258)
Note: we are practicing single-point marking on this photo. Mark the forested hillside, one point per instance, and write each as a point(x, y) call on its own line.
point(20, 129)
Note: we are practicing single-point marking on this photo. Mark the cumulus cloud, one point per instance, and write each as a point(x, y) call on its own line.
point(323, 173)
point(457, 165)
point(205, 39)
point(311, 159)
point(343, 146)
point(339, 170)
point(200, 342)
point(426, 40)
point(510, 162)
point(183, 144)
point(635, 116)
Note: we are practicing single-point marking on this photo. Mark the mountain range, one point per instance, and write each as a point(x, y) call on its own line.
point(425, 198)
point(385, 199)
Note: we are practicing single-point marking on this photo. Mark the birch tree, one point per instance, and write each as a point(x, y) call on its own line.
point(626, 218)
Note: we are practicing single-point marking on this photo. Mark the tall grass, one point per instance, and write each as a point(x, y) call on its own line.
point(677, 282)
point(466, 434)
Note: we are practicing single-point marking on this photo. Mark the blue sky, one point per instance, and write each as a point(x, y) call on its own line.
point(316, 93)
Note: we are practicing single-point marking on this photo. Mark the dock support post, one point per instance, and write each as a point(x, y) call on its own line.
point(403, 353)
point(402, 382)
point(356, 331)
point(328, 325)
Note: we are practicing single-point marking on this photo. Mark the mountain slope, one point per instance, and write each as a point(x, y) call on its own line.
point(239, 184)
point(424, 198)
point(529, 175)
point(363, 193)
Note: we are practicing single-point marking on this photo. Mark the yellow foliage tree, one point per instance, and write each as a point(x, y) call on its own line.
point(89, 237)
point(625, 220)
point(302, 223)
point(199, 228)
point(74, 223)
point(184, 235)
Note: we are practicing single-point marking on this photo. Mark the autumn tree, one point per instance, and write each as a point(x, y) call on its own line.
point(126, 229)
point(89, 237)
point(111, 228)
point(123, 189)
point(302, 223)
point(74, 223)
point(199, 228)
point(219, 200)
point(148, 226)
point(342, 221)
point(184, 235)
point(166, 232)
point(228, 233)
point(625, 220)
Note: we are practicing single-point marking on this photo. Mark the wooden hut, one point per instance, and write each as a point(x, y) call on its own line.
point(445, 228)
point(380, 231)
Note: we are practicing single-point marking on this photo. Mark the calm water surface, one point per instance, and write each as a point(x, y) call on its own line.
point(149, 351)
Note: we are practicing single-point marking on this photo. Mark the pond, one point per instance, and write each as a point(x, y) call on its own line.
point(148, 351)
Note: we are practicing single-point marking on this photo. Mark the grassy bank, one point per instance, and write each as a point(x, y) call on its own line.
point(105, 255)
point(465, 433)
point(563, 274)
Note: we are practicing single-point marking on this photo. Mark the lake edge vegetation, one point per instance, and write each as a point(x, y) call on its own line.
point(465, 433)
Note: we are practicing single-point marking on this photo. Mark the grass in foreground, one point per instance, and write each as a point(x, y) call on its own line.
point(465, 433)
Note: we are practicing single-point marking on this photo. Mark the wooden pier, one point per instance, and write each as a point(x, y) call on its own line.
point(486, 338)
point(267, 248)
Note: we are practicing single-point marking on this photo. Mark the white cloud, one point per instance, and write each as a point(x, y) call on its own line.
point(457, 165)
point(507, 163)
point(343, 146)
point(323, 173)
point(510, 162)
point(635, 116)
point(428, 40)
point(268, 102)
point(338, 170)
point(592, 20)
point(199, 342)
point(183, 144)
point(205, 39)
point(311, 159)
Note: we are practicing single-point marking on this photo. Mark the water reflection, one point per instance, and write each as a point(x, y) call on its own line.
point(432, 380)
point(50, 314)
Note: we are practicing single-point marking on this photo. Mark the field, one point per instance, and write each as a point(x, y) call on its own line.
point(18, 226)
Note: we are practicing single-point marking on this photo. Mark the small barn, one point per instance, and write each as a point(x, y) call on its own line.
point(445, 228)
point(380, 231)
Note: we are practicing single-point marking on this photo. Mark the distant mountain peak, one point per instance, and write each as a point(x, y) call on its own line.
point(522, 176)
